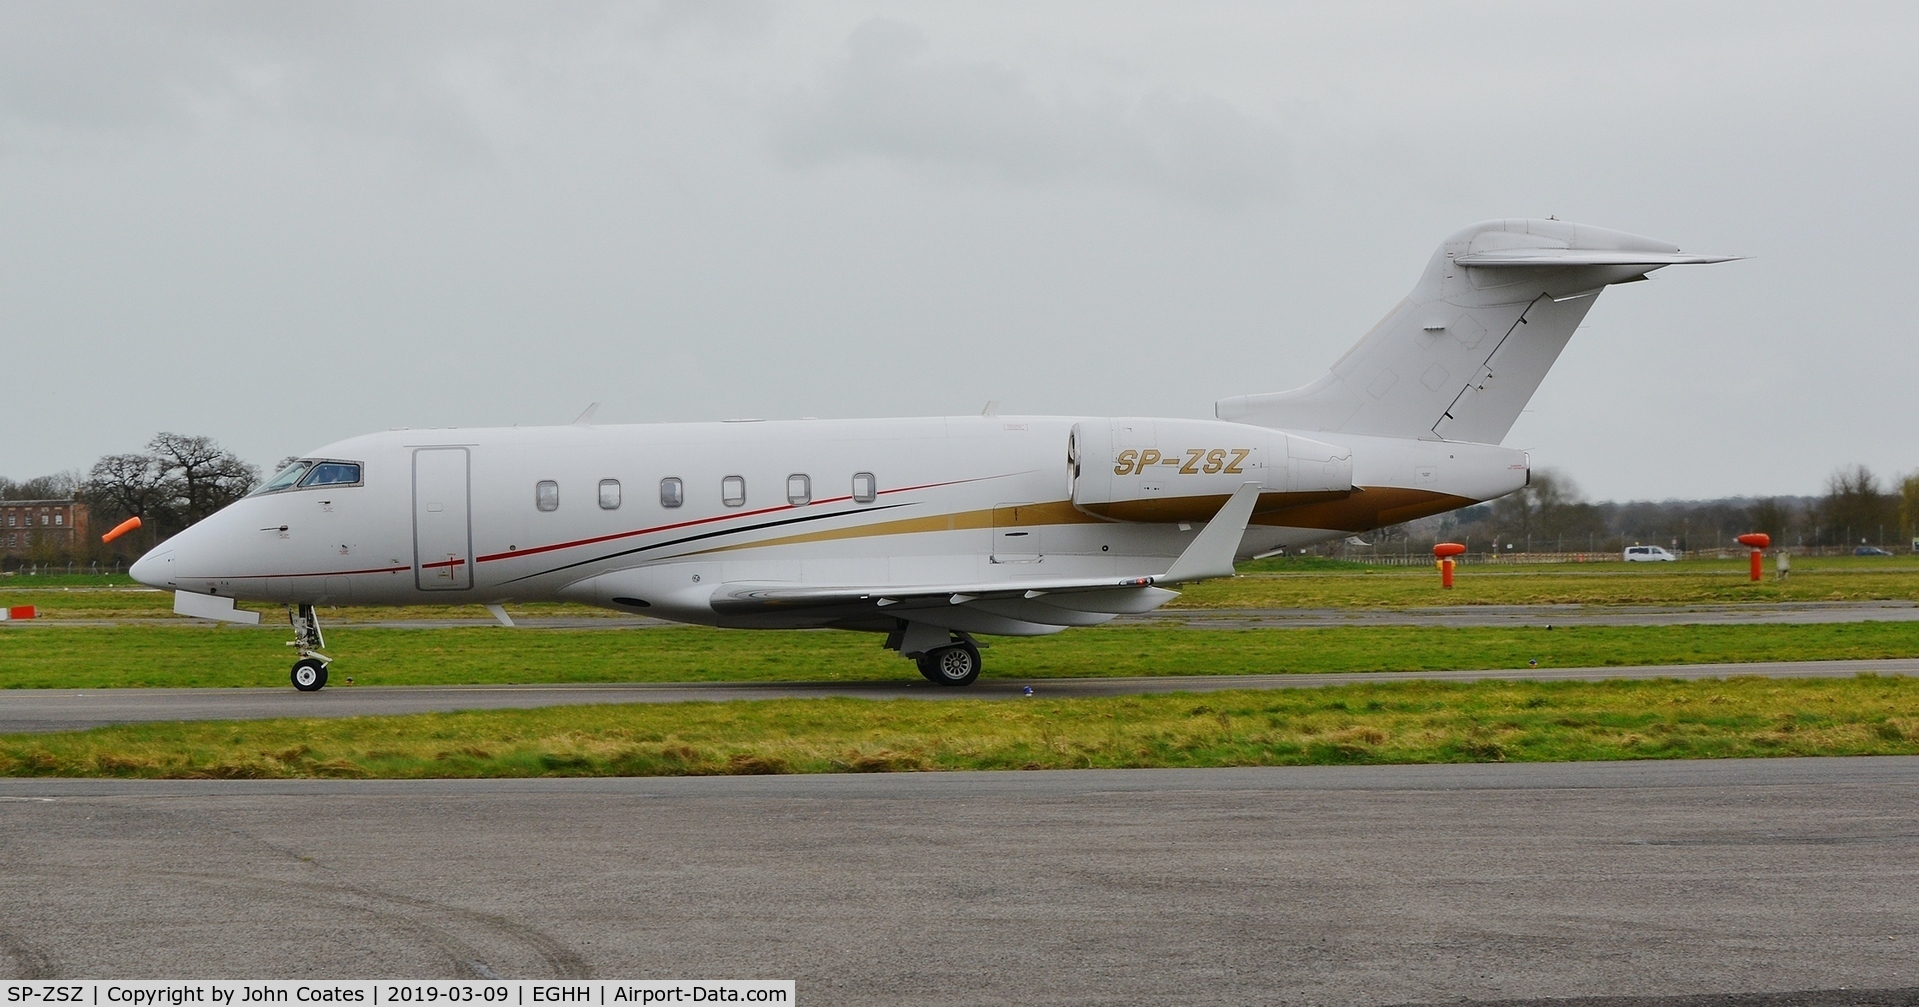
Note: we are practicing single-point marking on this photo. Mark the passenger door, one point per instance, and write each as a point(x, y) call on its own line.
point(442, 526)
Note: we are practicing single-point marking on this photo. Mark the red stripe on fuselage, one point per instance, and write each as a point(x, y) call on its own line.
point(696, 522)
point(582, 542)
point(270, 576)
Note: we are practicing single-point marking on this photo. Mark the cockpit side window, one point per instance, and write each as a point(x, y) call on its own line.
point(332, 474)
point(312, 473)
point(286, 479)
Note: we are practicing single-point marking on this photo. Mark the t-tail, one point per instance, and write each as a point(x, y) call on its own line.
point(1459, 357)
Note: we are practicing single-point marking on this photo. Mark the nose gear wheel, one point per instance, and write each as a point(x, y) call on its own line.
point(309, 672)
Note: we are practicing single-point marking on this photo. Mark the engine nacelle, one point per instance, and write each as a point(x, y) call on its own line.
point(1184, 470)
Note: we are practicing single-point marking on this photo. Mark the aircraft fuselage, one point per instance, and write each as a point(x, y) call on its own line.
point(458, 516)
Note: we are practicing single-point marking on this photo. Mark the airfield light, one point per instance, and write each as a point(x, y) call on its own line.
point(1444, 553)
point(1758, 541)
point(121, 529)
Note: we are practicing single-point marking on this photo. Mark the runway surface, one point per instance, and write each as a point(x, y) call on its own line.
point(39, 710)
point(1656, 882)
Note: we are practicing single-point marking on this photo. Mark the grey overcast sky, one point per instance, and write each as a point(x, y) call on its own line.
point(283, 224)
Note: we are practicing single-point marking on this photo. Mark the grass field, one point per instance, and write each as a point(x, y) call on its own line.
point(1309, 583)
point(1304, 582)
point(51, 656)
point(1407, 723)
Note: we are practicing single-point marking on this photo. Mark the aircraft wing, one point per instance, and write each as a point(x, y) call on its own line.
point(1555, 257)
point(744, 595)
point(1210, 554)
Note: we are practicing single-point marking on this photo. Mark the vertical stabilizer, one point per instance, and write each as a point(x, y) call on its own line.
point(1463, 353)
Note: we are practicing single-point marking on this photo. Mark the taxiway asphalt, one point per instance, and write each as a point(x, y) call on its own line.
point(40, 710)
point(1653, 882)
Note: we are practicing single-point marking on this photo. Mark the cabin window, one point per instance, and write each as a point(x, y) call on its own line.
point(332, 474)
point(866, 489)
point(733, 491)
point(609, 494)
point(799, 489)
point(546, 495)
point(672, 492)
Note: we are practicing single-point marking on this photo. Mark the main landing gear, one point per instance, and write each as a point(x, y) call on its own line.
point(954, 664)
point(309, 672)
point(944, 656)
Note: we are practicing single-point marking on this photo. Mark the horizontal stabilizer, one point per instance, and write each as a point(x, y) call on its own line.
point(1562, 257)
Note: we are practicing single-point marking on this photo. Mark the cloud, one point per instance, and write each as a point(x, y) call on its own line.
point(119, 72)
point(714, 21)
point(891, 100)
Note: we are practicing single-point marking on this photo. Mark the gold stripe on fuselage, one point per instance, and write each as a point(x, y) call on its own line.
point(1049, 513)
point(1367, 508)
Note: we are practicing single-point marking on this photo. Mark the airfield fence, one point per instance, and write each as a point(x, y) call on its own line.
point(30, 569)
point(1424, 557)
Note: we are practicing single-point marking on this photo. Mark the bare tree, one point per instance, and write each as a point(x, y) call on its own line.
point(1771, 516)
point(133, 485)
point(1547, 514)
point(211, 476)
point(1909, 505)
point(1854, 508)
point(58, 486)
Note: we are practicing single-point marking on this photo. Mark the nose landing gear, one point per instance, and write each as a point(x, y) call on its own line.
point(309, 672)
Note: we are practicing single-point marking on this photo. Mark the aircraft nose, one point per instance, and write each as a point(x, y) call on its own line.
point(155, 569)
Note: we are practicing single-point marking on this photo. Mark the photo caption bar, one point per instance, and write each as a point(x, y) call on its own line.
point(379, 993)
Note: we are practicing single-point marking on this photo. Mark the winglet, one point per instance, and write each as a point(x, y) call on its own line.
point(586, 418)
point(1211, 554)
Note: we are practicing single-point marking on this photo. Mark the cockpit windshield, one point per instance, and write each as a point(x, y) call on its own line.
point(313, 473)
point(332, 474)
point(285, 480)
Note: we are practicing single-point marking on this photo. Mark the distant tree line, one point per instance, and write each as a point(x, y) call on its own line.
point(175, 482)
point(1551, 515)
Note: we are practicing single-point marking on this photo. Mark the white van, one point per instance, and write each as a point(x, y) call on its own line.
point(1648, 554)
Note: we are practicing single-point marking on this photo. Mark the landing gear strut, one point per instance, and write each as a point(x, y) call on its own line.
point(309, 672)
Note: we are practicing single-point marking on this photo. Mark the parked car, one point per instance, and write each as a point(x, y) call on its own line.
point(1648, 554)
point(1870, 550)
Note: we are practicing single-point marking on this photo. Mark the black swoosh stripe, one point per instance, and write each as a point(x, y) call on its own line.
point(705, 535)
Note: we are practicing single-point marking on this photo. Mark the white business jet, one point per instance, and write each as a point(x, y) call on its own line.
point(926, 530)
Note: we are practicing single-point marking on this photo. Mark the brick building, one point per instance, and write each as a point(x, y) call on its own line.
point(63, 523)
